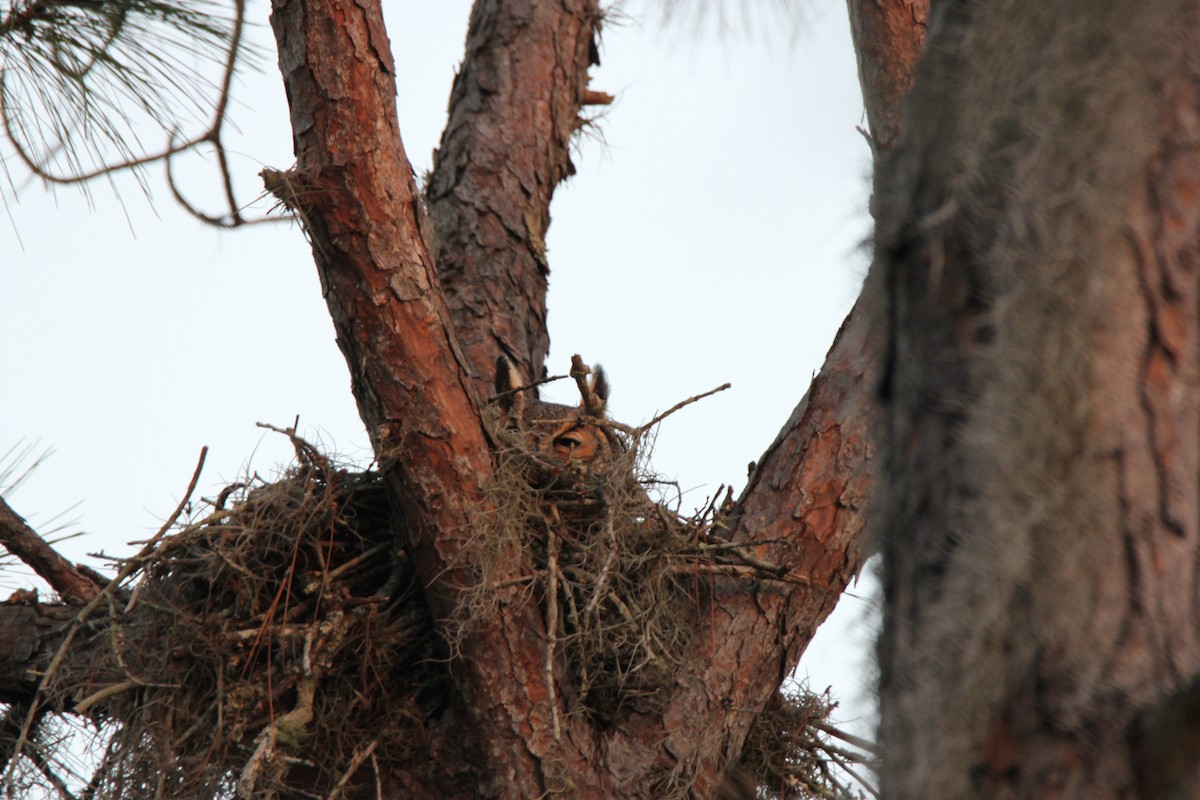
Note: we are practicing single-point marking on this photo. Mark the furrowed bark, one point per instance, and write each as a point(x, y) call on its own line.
point(490, 194)
point(514, 109)
point(809, 491)
point(353, 184)
point(811, 487)
point(354, 187)
point(1042, 525)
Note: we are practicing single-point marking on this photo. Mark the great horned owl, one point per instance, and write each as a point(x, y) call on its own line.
point(558, 437)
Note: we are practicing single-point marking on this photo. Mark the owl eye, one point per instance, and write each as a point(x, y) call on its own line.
point(570, 442)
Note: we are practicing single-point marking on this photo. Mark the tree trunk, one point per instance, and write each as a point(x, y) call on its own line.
point(1039, 514)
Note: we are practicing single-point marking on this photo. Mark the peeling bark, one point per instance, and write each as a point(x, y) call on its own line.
point(411, 382)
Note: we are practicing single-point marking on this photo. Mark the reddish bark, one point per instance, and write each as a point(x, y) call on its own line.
point(752, 641)
point(514, 109)
point(888, 37)
point(809, 493)
point(412, 384)
point(24, 543)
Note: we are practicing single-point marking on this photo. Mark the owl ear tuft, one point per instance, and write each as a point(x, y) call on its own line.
point(599, 387)
point(508, 379)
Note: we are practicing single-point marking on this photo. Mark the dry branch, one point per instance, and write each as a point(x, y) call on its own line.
point(24, 543)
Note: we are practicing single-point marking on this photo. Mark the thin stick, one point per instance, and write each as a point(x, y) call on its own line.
point(678, 406)
point(108, 691)
point(552, 618)
point(361, 754)
point(857, 741)
point(500, 396)
point(602, 581)
point(740, 571)
point(354, 562)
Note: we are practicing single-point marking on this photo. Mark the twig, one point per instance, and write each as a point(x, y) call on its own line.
point(232, 218)
point(592, 403)
point(509, 392)
point(291, 726)
point(739, 571)
point(108, 691)
point(43, 766)
point(608, 563)
point(680, 405)
point(766, 566)
point(720, 547)
point(334, 574)
point(552, 617)
point(857, 741)
point(870, 788)
point(378, 778)
point(305, 452)
point(361, 754)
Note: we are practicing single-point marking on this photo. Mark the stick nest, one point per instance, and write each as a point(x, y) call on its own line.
point(279, 639)
point(257, 642)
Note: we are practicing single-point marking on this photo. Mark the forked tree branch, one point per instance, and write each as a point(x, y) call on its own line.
point(808, 491)
point(417, 392)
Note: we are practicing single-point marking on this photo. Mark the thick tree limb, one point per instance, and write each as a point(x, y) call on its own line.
point(1039, 236)
point(413, 387)
point(807, 496)
point(24, 543)
point(513, 111)
point(810, 487)
point(888, 37)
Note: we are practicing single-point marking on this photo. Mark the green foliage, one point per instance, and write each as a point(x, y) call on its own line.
point(82, 80)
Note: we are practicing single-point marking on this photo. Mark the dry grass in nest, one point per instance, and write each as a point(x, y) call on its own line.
point(791, 751)
point(258, 645)
point(626, 571)
point(621, 617)
point(619, 576)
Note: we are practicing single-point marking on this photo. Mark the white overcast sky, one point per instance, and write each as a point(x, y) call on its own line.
point(715, 235)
